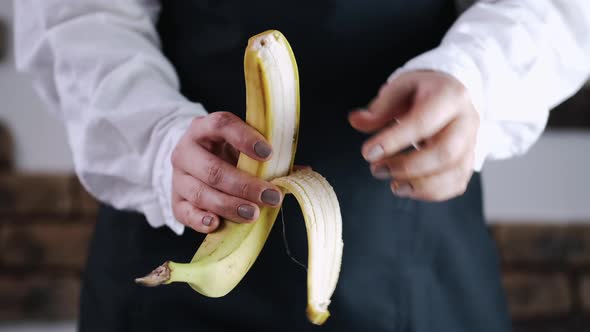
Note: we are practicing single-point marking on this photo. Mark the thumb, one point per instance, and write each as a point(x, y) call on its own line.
point(394, 98)
point(365, 121)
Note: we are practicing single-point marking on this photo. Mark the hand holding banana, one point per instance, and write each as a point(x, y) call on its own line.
point(430, 108)
point(207, 185)
point(211, 181)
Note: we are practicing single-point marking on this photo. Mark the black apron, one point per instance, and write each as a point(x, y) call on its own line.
point(407, 265)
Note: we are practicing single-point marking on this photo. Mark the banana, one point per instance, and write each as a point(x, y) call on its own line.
point(323, 222)
point(226, 255)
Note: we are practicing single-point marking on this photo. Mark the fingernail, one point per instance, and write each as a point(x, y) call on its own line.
point(403, 189)
point(262, 149)
point(382, 173)
point(246, 211)
point(271, 196)
point(207, 220)
point(375, 153)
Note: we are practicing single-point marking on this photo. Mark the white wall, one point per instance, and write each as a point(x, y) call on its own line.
point(549, 183)
point(39, 137)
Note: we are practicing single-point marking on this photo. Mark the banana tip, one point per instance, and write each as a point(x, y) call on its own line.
point(157, 277)
point(317, 317)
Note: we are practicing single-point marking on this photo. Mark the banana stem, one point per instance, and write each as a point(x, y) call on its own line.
point(157, 277)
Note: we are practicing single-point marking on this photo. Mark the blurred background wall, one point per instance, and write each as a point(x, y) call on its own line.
point(538, 206)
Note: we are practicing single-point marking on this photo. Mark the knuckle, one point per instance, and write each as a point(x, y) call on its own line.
point(244, 189)
point(196, 195)
point(214, 173)
point(220, 120)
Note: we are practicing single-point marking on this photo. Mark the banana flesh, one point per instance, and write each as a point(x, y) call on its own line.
point(323, 222)
point(226, 255)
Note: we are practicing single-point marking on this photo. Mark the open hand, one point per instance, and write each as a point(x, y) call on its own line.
point(433, 110)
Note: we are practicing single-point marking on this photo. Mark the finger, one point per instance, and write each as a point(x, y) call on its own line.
point(193, 217)
point(231, 154)
point(438, 187)
point(230, 128)
point(425, 119)
point(440, 153)
point(392, 100)
point(200, 195)
point(365, 121)
point(226, 152)
point(215, 172)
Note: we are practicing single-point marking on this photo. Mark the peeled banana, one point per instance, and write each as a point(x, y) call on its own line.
point(226, 255)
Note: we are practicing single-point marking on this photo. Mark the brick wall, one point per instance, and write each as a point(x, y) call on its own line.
point(46, 221)
point(45, 227)
point(42, 250)
point(546, 274)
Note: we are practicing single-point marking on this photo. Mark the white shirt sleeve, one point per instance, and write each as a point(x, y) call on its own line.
point(98, 64)
point(518, 59)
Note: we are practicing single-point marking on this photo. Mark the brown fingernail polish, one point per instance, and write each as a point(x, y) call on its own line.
point(207, 220)
point(375, 153)
point(271, 196)
point(246, 211)
point(382, 173)
point(262, 149)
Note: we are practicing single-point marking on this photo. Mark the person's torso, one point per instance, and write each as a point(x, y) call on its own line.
point(345, 51)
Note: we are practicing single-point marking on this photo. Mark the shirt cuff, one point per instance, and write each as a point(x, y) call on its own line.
point(161, 214)
point(454, 62)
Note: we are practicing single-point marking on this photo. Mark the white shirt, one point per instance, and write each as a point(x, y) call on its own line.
point(98, 64)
